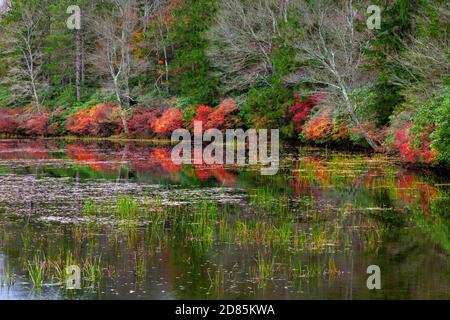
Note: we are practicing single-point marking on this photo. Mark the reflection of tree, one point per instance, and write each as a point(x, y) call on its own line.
point(27, 150)
point(90, 156)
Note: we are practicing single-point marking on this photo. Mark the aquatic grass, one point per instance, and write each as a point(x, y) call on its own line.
point(265, 268)
point(127, 207)
point(284, 233)
point(7, 278)
point(217, 281)
point(92, 271)
point(36, 271)
point(89, 208)
point(332, 269)
point(140, 269)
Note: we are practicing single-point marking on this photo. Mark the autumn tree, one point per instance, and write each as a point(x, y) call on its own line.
point(331, 48)
point(22, 32)
point(115, 26)
point(242, 40)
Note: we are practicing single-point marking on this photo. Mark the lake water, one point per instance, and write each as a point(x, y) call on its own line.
point(140, 227)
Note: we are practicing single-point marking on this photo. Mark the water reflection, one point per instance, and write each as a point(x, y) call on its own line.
point(142, 227)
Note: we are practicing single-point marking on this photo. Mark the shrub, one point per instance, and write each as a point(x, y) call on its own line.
point(141, 121)
point(411, 151)
point(202, 114)
point(35, 125)
point(434, 115)
point(319, 129)
point(8, 121)
point(268, 108)
point(169, 121)
point(100, 120)
point(301, 109)
point(224, 117)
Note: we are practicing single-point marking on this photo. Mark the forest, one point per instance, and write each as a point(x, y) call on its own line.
point(312, 69)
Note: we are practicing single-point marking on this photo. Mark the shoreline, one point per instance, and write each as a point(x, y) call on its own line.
point(287, 145)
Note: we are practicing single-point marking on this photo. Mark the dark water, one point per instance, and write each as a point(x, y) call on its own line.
point(141, 227)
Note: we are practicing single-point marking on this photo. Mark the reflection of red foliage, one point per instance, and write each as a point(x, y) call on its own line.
point(163, 157)
point(205, 172)
point(89, 156)
point(224, 116)
point(25, 150)
point(404, 143)
point(100, 120)
point(301, 109)
point(413, 191)
point(169, 121)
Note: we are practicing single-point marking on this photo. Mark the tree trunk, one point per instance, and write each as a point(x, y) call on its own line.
point(78, 63)
point(355, 119)
point(123, 117)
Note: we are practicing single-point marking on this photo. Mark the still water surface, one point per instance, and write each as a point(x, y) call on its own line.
point(141, 227)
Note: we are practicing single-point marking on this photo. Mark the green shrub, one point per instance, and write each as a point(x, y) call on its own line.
point(435, 112)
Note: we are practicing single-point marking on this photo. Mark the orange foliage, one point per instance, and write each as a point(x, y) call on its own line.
point(319, 128)
point(224, 117)
point(100, 120)
point(169, 121)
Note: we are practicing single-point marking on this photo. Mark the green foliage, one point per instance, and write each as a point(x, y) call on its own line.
point(397, 24)
point(191, 69)
point(5, 96)
point(268, 108)
point(435, 112)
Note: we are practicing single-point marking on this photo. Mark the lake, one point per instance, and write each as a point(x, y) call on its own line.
point(141, 227)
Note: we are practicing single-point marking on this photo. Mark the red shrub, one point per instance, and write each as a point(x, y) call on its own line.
point(319, 128)
point(35, 125)
point(301, 109)
point(404, 143)
point(140, 123)
point(202, 114)
point(224, 116)
point(374, 133)
point(169, 121)
point(8, 121)
point(100, 120)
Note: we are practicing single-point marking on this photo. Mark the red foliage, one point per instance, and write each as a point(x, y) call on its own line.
point(224, 117)
point(202, 115)
point(141, 121)
point(319, 128)
point(100, 120)
point(301, 109)
point(169, 121)
point(8, 121)
point(404, 143)
point(36, 125)
point(374, 133)
point(24, 122)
